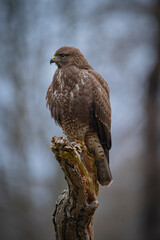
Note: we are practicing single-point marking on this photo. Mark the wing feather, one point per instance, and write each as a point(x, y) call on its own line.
point(101, 111)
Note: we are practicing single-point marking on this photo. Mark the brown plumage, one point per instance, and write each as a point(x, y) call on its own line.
point(78, 99)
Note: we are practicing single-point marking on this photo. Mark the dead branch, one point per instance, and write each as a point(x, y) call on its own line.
point(75, 207)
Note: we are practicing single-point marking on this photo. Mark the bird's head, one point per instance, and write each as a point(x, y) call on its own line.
point(70, 56)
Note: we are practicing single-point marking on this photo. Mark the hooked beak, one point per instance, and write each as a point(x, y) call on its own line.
point(53, 60)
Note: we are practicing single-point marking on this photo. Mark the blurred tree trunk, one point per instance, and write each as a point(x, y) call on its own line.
point(152, 184)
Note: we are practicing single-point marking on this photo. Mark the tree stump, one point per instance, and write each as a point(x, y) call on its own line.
point(75, 207)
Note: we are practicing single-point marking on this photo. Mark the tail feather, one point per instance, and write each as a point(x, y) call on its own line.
point(101, 154)
point(103, 170)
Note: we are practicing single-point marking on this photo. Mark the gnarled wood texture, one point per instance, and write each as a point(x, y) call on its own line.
point(75, 207)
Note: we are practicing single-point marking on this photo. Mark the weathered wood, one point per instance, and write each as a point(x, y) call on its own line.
point(75, 207)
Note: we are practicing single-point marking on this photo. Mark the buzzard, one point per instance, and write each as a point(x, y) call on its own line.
point(78, 99)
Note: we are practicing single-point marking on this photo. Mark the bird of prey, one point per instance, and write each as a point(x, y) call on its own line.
point(78, 99)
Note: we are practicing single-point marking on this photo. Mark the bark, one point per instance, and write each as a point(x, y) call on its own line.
point(75, 207)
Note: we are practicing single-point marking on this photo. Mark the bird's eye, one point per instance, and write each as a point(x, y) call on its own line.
point(62, 55)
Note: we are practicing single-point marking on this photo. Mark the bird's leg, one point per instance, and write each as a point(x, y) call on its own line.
point(78, 141)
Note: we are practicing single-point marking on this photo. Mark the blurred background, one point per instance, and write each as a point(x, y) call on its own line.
point(121, 40)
